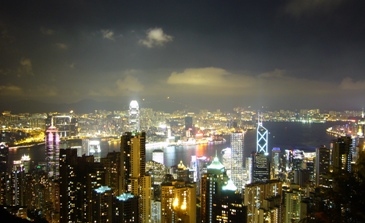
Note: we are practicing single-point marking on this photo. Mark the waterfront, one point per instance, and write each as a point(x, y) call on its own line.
point(285, 135)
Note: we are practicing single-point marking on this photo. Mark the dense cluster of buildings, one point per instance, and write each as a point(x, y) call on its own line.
point(75, 184)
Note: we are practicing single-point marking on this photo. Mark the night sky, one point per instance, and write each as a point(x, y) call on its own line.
point(212, 54)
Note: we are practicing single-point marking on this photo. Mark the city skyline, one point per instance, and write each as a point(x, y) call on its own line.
point(173, 55)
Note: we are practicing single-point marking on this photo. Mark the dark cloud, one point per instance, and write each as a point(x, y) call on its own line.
point(299, 53)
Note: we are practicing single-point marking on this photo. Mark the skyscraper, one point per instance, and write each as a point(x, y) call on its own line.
point(260, 168)
point(262, 135)
point(102, 206)
point(341, 154)
point(132, 176)
point(237, 158)
point(134, 122)
point(263, 201)
point(125, 208)
point(275, 163)
point(4, 154)
point(52, 142)
point(322, 164)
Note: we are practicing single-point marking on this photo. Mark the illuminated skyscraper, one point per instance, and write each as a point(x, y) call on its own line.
point(125, 208)
point(211, 188)
point(178, 200)
point(68, 186)
point(102, 206)
point(237, 158)
point(341, 156)
point(134, 123)
point(275, 163)
point(322, 164)
point(295, 210)
point(263, 201)
point(4, 154)
point(52, 144)
point(52, 141)
point(132, 176)
point(262, 135)
point(260, 168)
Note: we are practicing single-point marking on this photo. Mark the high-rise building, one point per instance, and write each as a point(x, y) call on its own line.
point(294, 210)
point(217, 194)
point(275, 163)
point(132, 161)
point(134, 121)
point(18, 184)
point(189, 128)
point(79, 177)
point(260, 168)
point(68, 186)
point(263, 201)
point(262, 135)
point(341, 156)
point(322, 165)
point(52, 142)
point(229, 206)
point(102, 204)
point(178, 200)
point(111, 163)
point(125, 208)
point(237, 152)
point(4, 156)
point(132, 176)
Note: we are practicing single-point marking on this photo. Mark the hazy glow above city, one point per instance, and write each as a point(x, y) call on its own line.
point(185, 54)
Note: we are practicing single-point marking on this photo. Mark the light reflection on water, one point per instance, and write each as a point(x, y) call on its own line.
point(283, 135)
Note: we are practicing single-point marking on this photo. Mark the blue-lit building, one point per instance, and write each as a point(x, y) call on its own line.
point(102, 206)
point(262, 138)
point(220, 200)
point(125, 208)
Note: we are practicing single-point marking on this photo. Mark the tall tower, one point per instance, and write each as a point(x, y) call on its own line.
point(341, 156)
point(4, 154)
point(52, 142)
point(132, 176)
point(134, 124)
point(260, 168)
point(275, 163)
point(322, 163)
point(237, 158)
point(262, 135)
point(211, 187)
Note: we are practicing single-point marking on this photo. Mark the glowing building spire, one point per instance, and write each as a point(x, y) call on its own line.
point(134, 116)
point(262, 137)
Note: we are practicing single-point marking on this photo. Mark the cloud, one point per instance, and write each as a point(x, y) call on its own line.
point(107, 34)
point(129, 83)
point(46, 91)
point(348, 84)
point(62, 46)
point(210, 76)
point(124, 86)
point(214, 81)
point(10, 90)
point(298, 8)
point(46, 31)
point(277, 73)
point(25, 68)
point(155, 37)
